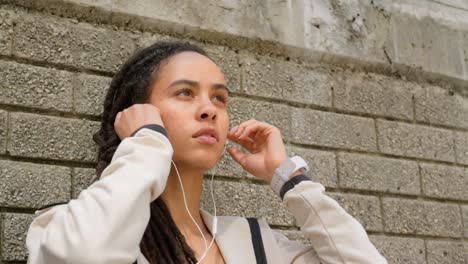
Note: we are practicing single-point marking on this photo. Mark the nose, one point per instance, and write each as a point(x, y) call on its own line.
point(207, 110)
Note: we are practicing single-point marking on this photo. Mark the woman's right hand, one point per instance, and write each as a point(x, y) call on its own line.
point(135, 116)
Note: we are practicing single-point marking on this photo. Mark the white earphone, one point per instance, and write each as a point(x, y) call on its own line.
point(215, 219)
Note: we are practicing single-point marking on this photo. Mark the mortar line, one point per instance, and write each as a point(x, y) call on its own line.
point(425, 250)
point(463, 222)
point(389, 234)
point(48, 112)
point(328, 109)
point(53, 112)
point(52, 65)
point(382, 214)
point(376, 131)
point(337, 166)
point(8, 133)
point(378, 154)
point(47, 161)
point(421, 182)
point(454, 142)
point(352, 191)
point(72, 182)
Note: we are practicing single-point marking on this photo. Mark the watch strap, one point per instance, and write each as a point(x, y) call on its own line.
point(285, 170)
point(293, 182)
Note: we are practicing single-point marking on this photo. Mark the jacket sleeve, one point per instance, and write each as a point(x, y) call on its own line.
point(336, 237)
point(106, 223)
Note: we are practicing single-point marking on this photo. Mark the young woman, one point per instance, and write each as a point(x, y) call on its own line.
point(165, 123)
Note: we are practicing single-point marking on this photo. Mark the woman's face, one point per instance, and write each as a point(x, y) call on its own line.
point(191, 94)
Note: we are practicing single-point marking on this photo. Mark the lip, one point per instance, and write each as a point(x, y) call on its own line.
point(206, 131)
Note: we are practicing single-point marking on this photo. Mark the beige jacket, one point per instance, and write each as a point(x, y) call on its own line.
point(105, 224)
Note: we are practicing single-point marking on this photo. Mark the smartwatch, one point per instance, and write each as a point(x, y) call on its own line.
point(285, 170)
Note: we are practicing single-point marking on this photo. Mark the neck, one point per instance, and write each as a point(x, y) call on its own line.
point(192, 181)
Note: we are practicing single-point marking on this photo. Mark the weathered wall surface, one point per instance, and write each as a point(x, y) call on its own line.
point(372, 93)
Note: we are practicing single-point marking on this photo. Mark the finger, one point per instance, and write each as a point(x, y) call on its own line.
point(233, 129)
point(238, 127)
point(247, 143)
point(243, 125)
point(237, 155)
point(253, 129)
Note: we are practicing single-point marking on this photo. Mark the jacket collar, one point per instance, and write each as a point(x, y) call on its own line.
point(233, 237)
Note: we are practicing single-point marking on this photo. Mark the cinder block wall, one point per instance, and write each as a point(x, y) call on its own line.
point(391, 149)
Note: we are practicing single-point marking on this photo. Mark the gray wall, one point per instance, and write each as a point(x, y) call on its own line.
point(372, 93)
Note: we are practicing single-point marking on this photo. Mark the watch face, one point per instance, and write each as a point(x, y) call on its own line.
point(287, 167)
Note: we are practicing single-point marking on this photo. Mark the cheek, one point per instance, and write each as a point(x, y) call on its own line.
point(174, 125)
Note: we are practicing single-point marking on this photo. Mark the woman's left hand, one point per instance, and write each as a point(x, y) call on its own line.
point(265, 145)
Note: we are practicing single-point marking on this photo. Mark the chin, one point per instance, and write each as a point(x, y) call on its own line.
point(202, 159)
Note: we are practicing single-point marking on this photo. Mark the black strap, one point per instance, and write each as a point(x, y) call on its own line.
point(292, 182)
point(154, 127)
point(257, 240)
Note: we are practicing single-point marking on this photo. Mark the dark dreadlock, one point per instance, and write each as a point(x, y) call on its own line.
point(162, 241)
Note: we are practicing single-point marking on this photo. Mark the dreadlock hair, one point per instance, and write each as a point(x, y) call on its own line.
point(162, 241)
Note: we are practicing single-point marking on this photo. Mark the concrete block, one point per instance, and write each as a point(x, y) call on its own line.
point(333, 130)
point(6, 31)
point(465, 218)
point(246, 200)
point(56, 138)
point(82, 179)
point(90, 92)
point(281, 79)
point(466, 251)
point(461, 147)
point(29, 185)
point(440, 106)
point(378, 174)
point(66, 42)
point(364, 208)
point(415, 141)
point(445, 252)
point(294, 235)
point(374, 94)
point(38, 87)
point(14, 229)
point(322, 165)
point(444, 181)
point(400, 249)
point(146, 39)
point(241, 110)
point(228, 61)
point(421, 217)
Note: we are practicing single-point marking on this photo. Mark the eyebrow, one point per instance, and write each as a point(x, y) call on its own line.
point(215, 86)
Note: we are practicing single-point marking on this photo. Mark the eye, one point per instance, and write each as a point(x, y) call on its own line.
point(183, 90)
point(222, 98)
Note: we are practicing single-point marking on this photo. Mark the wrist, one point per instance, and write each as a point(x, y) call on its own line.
point(289, 168)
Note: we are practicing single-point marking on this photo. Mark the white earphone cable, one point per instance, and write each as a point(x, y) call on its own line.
point(186, 207)
point(215, 219)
